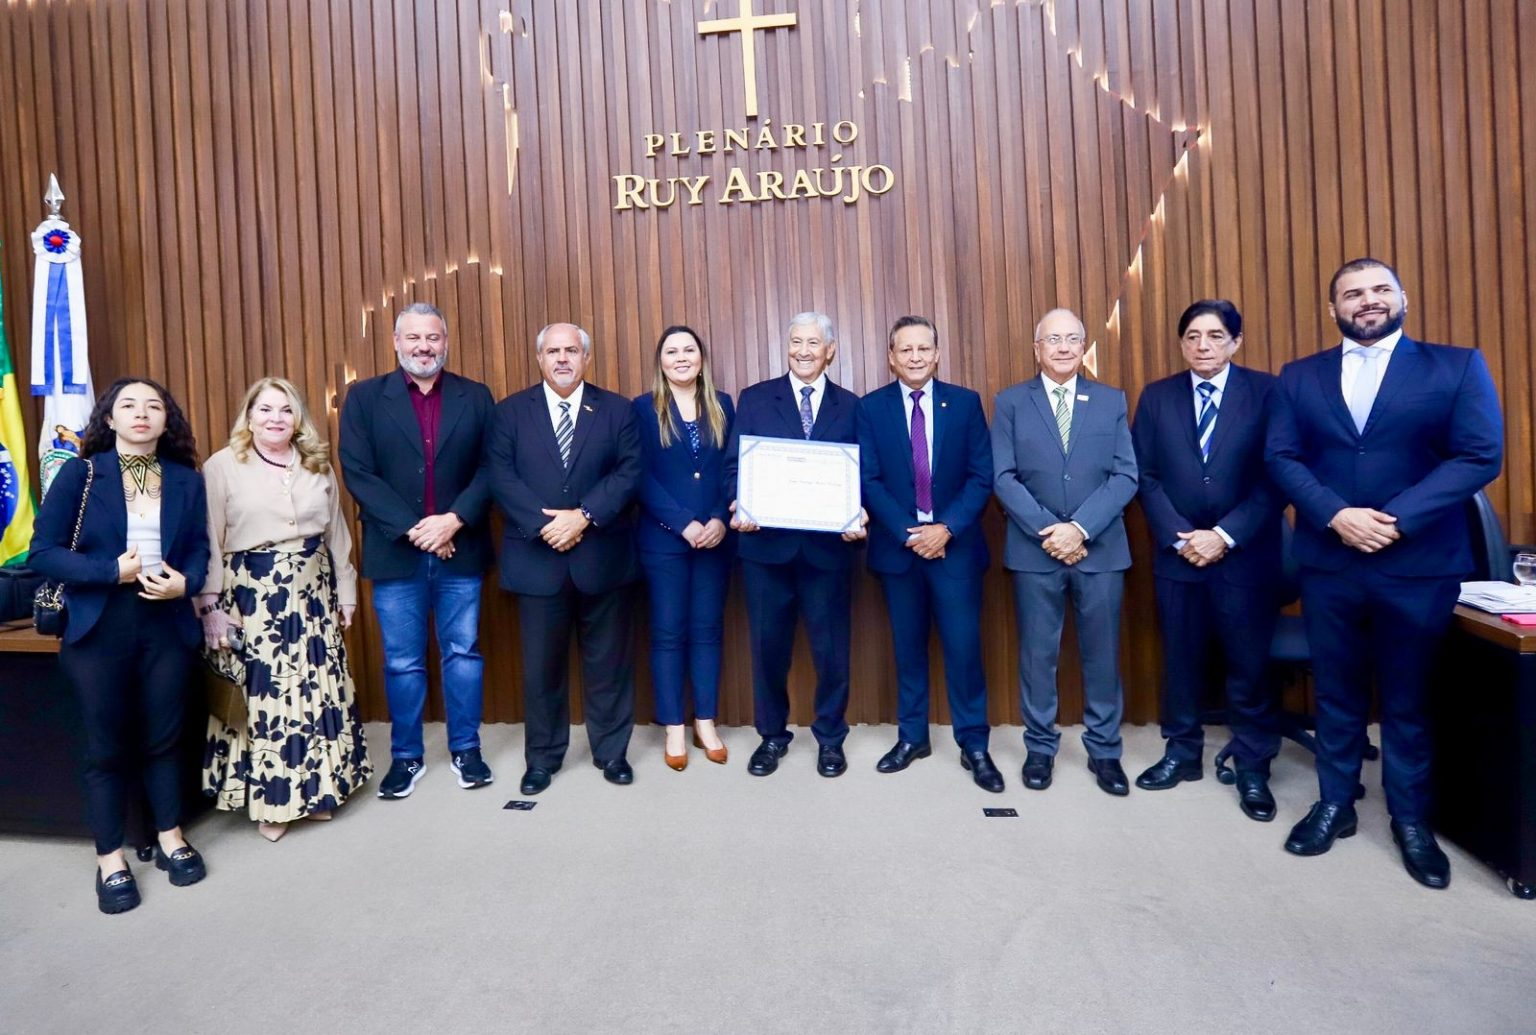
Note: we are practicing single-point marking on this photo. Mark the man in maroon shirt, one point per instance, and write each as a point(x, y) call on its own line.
point(411, 444)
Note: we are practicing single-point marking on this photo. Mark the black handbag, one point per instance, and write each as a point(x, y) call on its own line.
point(48, 612)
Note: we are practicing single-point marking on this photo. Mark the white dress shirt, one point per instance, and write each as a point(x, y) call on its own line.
point(1070, 384)
point(1219, 379)
point(553, 400)
point(923, 516)
point(1353, 361)
point(818, 389)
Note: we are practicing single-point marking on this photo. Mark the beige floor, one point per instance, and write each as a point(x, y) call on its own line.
point(713, 901)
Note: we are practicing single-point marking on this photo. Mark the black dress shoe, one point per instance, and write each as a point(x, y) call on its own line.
point(982, 770)
point(1037, 770)
point(616, 771)
point(184, 865)
point(1253, 795)
point(1110, 775)
point(1169, 772)
point(830, 760)
point(118, 893)
point(537, 778)
point(903, 755)
point(766, 758)
point(1422, 857)
point(1325, 823)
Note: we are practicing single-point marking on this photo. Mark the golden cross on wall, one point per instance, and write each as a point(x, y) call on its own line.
point(747, 24)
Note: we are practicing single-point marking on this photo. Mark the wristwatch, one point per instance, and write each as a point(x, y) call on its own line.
point(588, 515)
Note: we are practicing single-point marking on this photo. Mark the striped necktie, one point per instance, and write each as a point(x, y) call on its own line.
point(1063, 415)
point(1207, 422)
point(563, 432)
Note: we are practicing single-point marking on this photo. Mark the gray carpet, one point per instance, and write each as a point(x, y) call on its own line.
point(710, 900)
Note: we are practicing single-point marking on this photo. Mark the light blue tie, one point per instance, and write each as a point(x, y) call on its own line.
point(1362, 395)
point(1207, 422)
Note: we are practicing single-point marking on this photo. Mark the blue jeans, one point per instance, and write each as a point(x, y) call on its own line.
point(687, 623)
point(403, 605)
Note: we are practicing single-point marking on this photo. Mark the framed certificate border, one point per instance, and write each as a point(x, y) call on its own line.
point(779, 506)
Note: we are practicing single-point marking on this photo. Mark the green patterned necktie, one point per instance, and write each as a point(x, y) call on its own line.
point(1063, 415)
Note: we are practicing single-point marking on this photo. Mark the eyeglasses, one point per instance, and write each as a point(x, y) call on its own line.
point(1060, 339)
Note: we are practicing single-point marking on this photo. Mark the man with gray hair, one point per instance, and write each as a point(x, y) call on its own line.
point(565, 464)
point(792, 574)
point(1064, 471)
point(410, 449)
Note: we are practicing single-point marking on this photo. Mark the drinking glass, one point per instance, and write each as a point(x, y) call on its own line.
point(1525, 569)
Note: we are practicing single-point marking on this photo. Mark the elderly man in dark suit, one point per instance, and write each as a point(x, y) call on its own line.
point(411, 446)
point(564, 462)
point(1380, 442)
point(790, 573)
point(926, 465)
point(1064, 471)
point(1215, 520)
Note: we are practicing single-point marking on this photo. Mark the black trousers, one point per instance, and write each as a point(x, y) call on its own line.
point(130, 673)
point(602, 625)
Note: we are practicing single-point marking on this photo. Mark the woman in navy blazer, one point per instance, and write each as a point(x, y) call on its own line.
point(131, 632)
point(683, 536)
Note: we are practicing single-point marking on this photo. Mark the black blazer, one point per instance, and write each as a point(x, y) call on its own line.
point(1180, 493)
point(383, 465)
point(770, 409)
point(89, 572)
point(677, 488)
point(526, 477)
point(962, 477)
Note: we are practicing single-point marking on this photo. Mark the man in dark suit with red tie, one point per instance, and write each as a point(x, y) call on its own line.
point(926, 464)
point(1380, 443)
point(791, 574)
point(564, 463)
point(1215, 521)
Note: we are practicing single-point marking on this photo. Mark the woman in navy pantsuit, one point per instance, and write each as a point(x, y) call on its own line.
point(130, 636)
point(683, 540)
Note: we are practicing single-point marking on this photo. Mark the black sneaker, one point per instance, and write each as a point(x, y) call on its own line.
point(401, 779)
point(472, 770)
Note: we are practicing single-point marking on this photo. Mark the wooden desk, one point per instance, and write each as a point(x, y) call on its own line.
point(1518, 638)
point(1483, 714)
point(41, 744)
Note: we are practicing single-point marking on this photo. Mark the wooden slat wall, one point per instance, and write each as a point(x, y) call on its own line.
point(262, 184)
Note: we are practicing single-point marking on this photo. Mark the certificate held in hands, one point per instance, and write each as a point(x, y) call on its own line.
point(797, 483)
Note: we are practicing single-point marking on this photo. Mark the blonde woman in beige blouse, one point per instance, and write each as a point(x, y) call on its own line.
point(273, 613)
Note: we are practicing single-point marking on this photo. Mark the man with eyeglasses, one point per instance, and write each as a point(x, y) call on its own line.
point(1064, 471)
point(926, 466)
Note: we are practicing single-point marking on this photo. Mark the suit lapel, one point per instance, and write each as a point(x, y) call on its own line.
point(450, 409)
point(107, 492)
point(397, 403)
point(1185, 398)
point(896, 410)
point(1082, 413)
point(1331, 387)
point(1403, 369)
point(171, 502)
point(1233, 397)
point(826, 413)
point(544, 428)
point(1042, 403)
point(591, 401)
point(939, 392)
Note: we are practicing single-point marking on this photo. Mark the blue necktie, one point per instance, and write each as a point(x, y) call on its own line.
point(1207, 422)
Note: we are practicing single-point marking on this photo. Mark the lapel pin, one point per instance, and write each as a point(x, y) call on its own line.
point(943, 406)
point(1082, 398)
point(587, 407)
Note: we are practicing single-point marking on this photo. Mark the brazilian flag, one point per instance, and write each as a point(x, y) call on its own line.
point(15, 487)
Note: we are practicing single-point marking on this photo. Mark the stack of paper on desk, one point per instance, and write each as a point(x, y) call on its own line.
point(1502, 598)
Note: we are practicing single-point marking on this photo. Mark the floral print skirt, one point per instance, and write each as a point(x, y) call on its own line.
point(302, 748)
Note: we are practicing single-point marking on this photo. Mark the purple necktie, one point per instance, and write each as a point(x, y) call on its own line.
point(807, 420)
point(920, 469)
